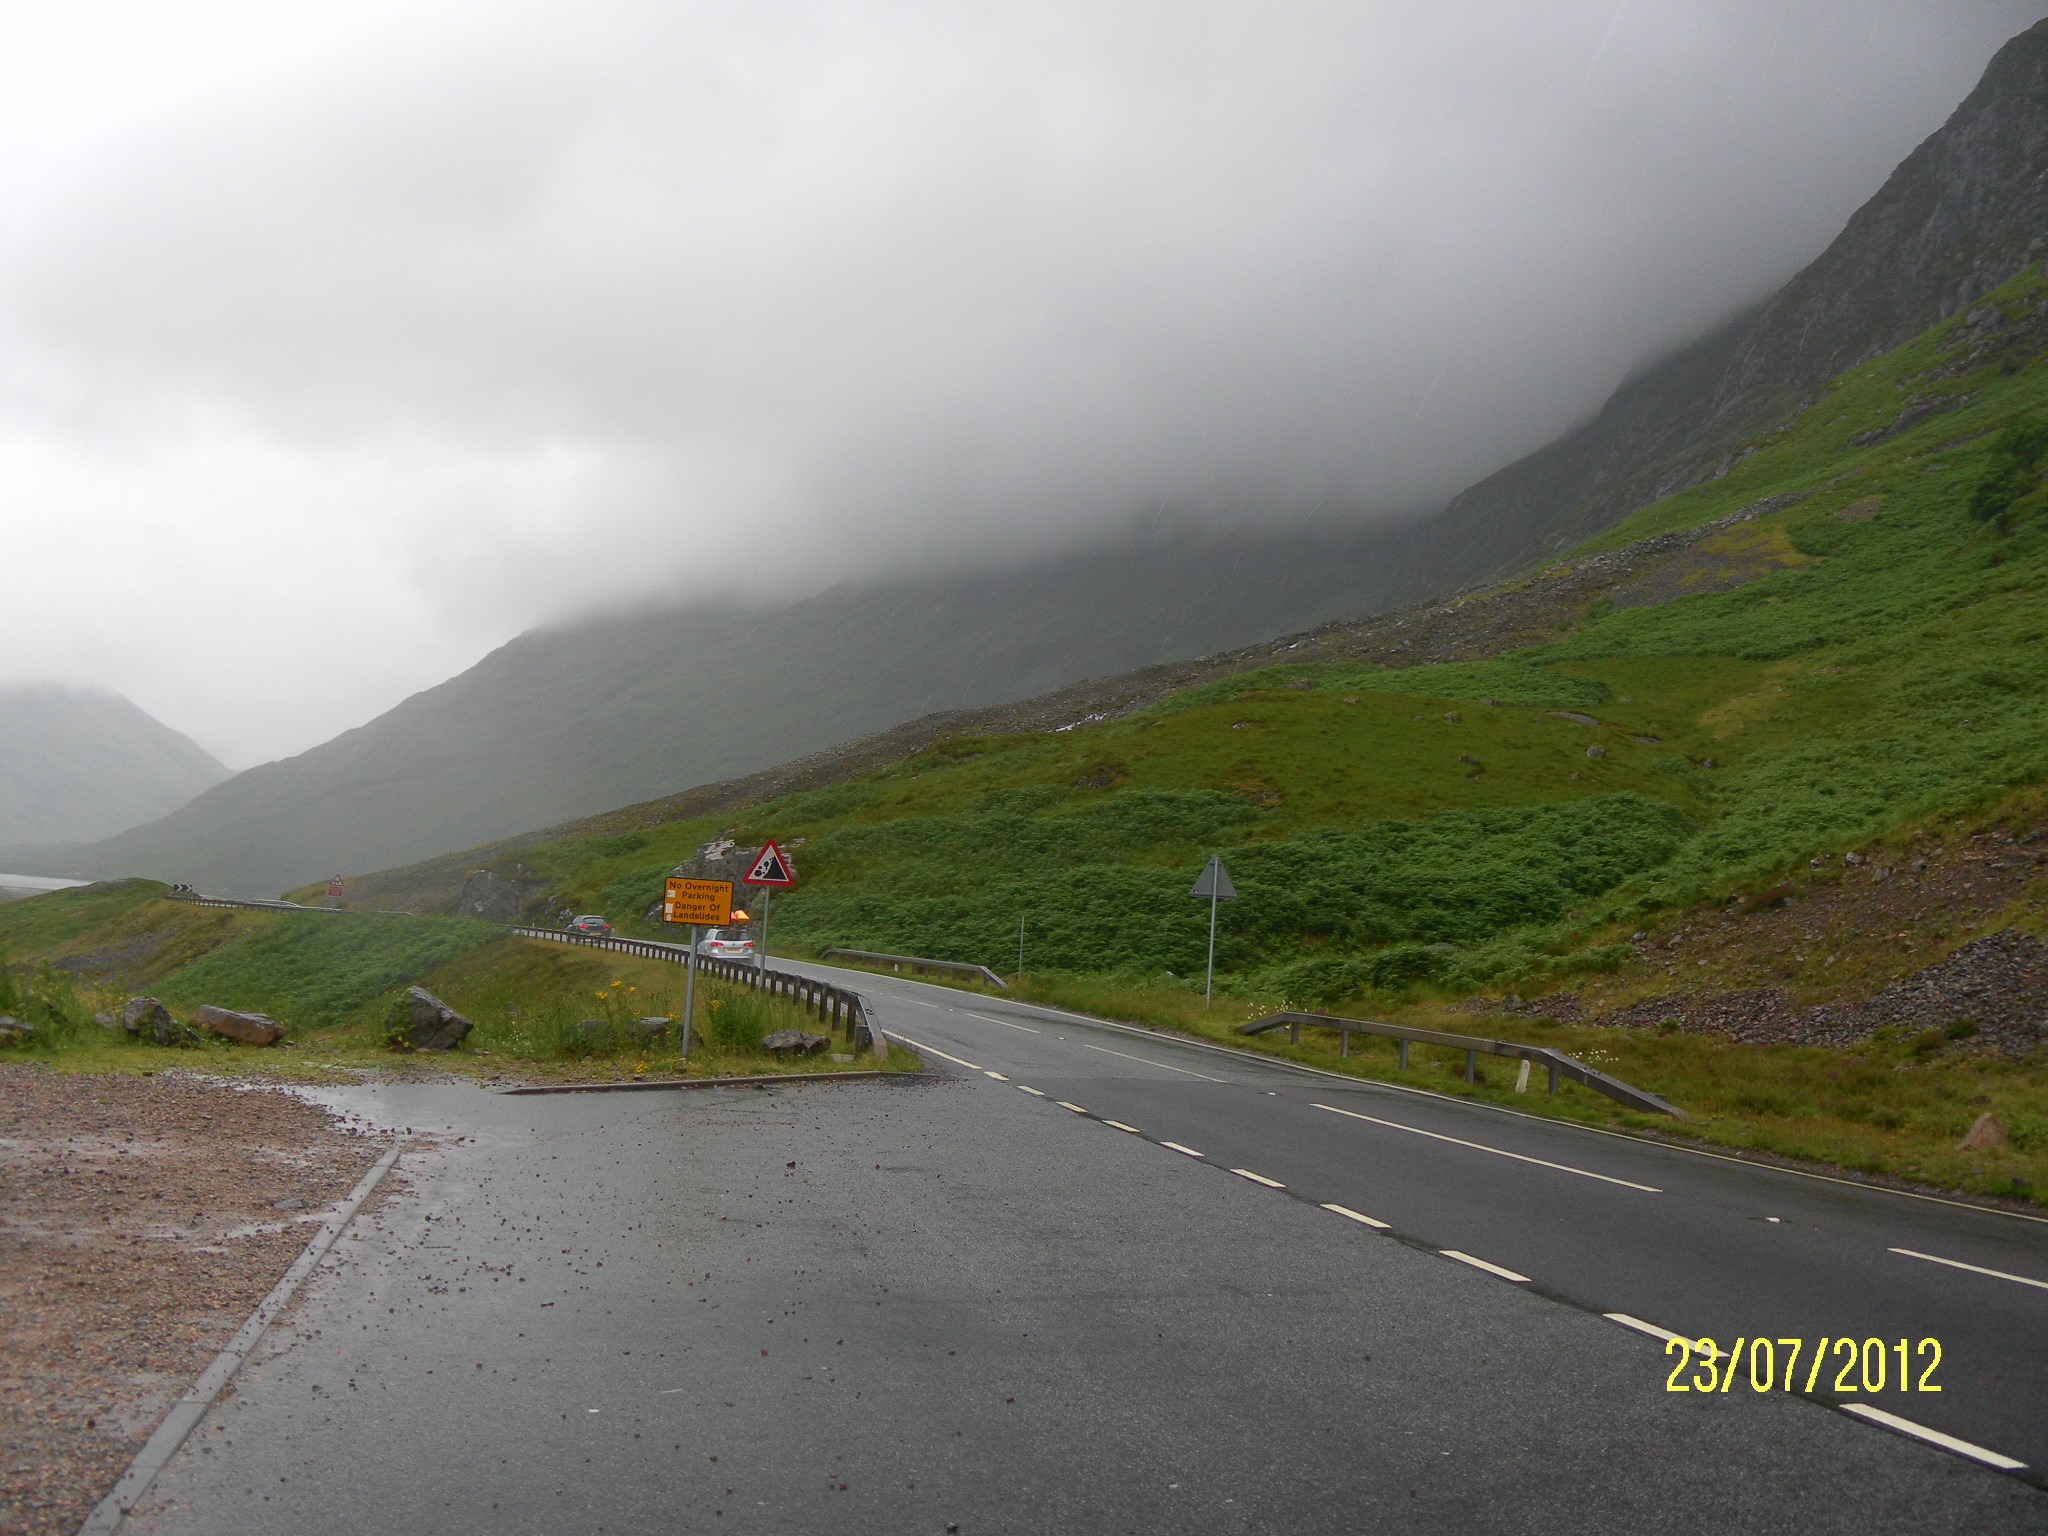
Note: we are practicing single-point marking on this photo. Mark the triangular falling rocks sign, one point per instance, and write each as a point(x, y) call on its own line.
point(771, 868)
point(1215, 882)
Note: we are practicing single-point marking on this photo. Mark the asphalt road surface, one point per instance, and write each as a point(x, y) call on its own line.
point(1083, 1279)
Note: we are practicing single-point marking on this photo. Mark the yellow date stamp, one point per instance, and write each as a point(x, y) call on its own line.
point(1842, 1366)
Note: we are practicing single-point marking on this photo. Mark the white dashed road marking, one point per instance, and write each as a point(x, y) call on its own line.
point(1174, 1146)
point(1077, 1109)
point(1659, 1333)
point(1932, 1436)
point(1036, 1093)
point(1119, 1125)
point(1491, 1269)
point(1359, 1217)
point(1258, 1178)
point(1975, 1269)
point(998, 1076)
point(1480, 1146)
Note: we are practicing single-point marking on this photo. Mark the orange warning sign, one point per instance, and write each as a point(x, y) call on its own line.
point(705, 902)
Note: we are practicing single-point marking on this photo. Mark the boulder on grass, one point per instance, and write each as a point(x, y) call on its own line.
point(145, 1018)
point(246, 1028)
point(794, 1042)
point(1987, 1135)
point(14, 1031)
point(433, 1026)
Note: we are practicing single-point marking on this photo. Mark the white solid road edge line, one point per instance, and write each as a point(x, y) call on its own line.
point(1975, 1269)
point(185, 1415)
point(1480, 1146)
point(1174, 1146)
point(1933, 1436)
point(919, 1045)
point(1491, 1269)
point(1360, 1217)
point(1258, 1178)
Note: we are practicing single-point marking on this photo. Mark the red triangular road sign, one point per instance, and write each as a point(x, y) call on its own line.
point(771, 868)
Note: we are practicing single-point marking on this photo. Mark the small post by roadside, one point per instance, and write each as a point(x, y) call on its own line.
point(694, 902)
point(689, 992)
point(1215, 885)
point(1020, 946)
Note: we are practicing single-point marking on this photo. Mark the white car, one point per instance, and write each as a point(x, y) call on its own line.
point(726, 944)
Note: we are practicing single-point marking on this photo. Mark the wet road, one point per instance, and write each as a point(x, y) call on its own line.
point(1151, 1295)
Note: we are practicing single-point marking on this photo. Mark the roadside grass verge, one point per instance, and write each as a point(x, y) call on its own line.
point(312, 972)
point(338, 984)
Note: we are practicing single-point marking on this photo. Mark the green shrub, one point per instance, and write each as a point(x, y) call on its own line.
point(2015, 459)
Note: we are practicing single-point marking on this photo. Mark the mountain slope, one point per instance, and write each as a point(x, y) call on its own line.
point(1840, 648)
point(562, 723)
point(1959, 216)
point(78, 764)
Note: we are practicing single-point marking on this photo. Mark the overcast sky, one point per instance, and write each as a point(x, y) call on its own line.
point(342, 340)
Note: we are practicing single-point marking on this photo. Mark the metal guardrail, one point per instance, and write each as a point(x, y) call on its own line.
point(1473, 1046)
point(840, 1008)
point(193, 898)
point(914, 963)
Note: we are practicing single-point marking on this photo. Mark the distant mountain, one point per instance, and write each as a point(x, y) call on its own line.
point(77, 765)
point(1962, 214)
point(566, 722)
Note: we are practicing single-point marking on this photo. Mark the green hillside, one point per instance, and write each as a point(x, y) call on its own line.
point(1454, 823)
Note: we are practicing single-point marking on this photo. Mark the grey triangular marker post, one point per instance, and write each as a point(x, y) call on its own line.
point(1215, 885)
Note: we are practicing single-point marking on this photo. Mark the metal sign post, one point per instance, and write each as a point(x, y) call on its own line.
point(1215, 885)
point(695, 902)
point(689, 992)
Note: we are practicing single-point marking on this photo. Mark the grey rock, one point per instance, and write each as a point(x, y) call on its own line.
point(107, 1021)
point(14, 1031)
point(1596, 751)
point(497, 898)
point(244, 1028)
point(288, 1203)
point(145, 1018)
point(794, 1042)
point(1987, 1135)
point(433, 1025)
